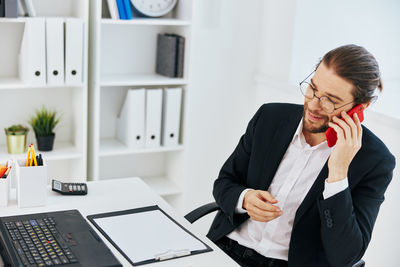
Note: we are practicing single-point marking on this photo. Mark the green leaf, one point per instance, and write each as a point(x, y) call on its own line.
point(44, 122)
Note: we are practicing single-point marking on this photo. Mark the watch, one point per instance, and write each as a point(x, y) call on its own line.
point(153, 8)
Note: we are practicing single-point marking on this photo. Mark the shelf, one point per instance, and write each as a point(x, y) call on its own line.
point(62, 151)
point(11, 83)
point(13, 20)
point(162, 185)
point(15, 83)
point(139, 80)
point(146, 21)
point(113, 147)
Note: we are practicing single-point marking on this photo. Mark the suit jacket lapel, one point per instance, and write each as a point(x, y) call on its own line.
point(275, 152)
point(313, 194)
point(273, 156)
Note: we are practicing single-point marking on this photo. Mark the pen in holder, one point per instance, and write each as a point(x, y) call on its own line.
point(31, 184)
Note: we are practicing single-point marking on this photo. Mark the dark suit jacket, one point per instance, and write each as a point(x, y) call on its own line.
point(331, 232)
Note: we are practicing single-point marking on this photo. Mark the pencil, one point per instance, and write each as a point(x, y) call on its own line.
point(8, 170)
point(27, 158)
point(33, 156)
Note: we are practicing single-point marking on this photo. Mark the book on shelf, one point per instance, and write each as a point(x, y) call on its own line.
point(124, 9)
point(10, 8)
point(22, 12)
point(110, 10)
point(29, 8)
point(15, 8)
point(170, 55)
point(2, 8)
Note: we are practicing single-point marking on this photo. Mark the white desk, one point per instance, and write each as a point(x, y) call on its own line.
point(120, 194)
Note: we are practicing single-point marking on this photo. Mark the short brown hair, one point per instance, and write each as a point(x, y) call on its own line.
point(357, 65)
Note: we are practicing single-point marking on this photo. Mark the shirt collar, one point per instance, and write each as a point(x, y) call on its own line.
point(300, 141)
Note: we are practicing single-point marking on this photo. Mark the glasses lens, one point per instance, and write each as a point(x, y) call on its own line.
point(327, 105)
point(306, 90)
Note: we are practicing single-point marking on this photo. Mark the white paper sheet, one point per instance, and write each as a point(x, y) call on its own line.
point(142, 236)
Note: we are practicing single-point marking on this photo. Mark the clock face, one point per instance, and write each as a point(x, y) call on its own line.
point(154, 8)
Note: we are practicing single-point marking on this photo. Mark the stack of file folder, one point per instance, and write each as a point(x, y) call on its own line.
point(52, 52)
point(150, 118)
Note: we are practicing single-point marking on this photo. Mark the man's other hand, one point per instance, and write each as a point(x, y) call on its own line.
point(258, 205)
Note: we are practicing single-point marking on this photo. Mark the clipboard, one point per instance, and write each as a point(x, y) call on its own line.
point(147, 235)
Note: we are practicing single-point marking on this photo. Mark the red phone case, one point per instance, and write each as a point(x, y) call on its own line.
point(331, 135)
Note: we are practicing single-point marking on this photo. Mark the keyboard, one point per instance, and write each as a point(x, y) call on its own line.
point(38, 242)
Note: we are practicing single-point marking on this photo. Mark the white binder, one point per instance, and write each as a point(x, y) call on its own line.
point(130, 124)
point(32, 56)
point(112, 7)
point(55, 51)
point(171, 116)
point(22, 9)
point(30, 8)
point(73, 51)
point(153, 117)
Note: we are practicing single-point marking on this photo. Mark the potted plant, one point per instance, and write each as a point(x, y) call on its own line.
point(16, 138)
point(43, 123)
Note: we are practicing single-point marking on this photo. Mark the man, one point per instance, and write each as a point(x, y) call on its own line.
point(286, 197)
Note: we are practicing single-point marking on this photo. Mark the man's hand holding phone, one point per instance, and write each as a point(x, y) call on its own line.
point(349, 136)
point(258, 204)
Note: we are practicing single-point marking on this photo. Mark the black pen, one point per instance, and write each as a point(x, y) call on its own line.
point(40, 160)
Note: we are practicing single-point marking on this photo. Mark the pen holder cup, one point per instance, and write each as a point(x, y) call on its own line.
point(4, 191)
point(31, 184)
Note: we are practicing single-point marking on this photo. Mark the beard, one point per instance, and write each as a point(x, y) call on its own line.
point(313, 127)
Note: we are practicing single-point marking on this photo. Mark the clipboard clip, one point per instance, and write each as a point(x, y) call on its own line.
point(170, 254)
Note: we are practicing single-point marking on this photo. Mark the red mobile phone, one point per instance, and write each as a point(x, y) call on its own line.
point(331, 135)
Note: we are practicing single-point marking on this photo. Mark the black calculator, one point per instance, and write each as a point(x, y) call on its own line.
point(69, 188)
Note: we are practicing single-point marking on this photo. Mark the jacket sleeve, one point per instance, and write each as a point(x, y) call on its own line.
point(348, 217)
point(232, 177)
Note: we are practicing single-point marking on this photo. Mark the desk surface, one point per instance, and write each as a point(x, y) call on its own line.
point(120, 194)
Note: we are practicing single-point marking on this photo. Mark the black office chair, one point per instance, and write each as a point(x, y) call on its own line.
point(201, 211)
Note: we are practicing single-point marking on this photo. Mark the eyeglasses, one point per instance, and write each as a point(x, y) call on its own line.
point(308, 91)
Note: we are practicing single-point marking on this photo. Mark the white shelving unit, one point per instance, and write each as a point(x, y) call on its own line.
point(111, 80)
point(68, 160)
point(123, 56)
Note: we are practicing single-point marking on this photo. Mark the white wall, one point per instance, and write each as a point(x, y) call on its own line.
point(385, 243)
point(307, 29)
point(221, 95)
point(320, 26)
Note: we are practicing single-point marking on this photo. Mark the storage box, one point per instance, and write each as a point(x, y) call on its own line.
point(4, 191)
point(31, 184)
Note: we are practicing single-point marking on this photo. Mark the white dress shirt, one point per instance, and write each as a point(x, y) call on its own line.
point(296, 173)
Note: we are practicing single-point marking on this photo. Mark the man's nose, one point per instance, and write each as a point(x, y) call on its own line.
point(314, 104)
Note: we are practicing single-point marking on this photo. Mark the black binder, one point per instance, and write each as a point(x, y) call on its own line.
point(162, 256)
point(10, 8)
point(2, 8)
point(170, 55)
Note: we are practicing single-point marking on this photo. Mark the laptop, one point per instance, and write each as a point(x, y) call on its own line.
point(61, 238)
